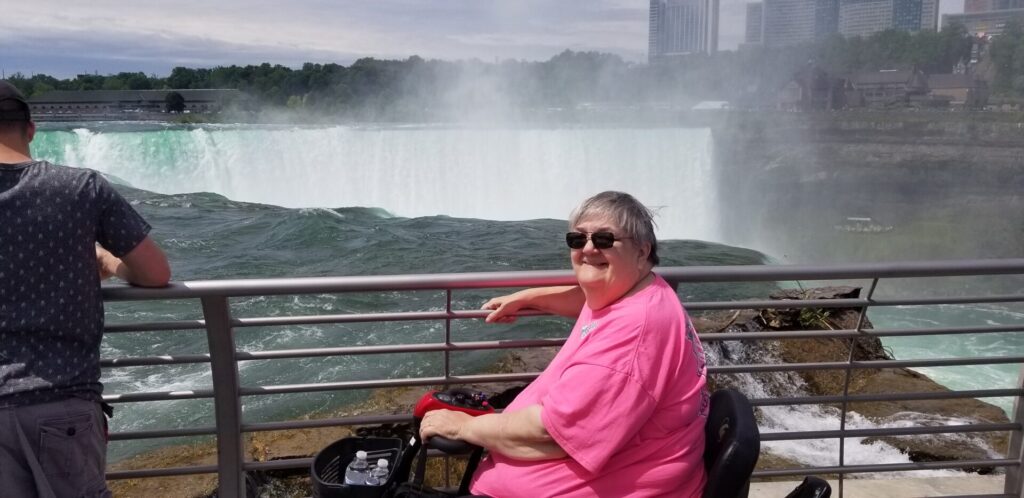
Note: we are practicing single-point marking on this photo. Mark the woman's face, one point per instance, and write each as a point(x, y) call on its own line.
point(607, 274)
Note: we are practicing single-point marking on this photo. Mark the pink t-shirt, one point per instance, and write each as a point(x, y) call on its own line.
point(625, 398)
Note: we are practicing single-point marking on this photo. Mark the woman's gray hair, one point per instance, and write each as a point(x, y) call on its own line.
point(632, 217)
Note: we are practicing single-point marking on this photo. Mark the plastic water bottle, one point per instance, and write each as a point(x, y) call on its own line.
point(379, 474)
point(358, 470)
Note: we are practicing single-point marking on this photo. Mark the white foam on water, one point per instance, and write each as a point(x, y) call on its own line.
point(803, 418)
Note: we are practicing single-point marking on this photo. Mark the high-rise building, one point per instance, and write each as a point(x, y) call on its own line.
point(794, 21)
point(864, 17)
point(679, 27)
point(906, 15)
point(787, 22)
point(653, 28)
point(826, 18)
point(755, 23)
point(930, 15)
point(975, 6)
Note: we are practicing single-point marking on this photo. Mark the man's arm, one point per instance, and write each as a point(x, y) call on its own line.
point(146, 265)
point(565, 301)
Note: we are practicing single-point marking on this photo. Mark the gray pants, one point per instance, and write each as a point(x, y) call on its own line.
point(53, 450)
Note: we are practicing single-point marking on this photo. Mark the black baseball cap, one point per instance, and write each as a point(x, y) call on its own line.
point(13, 106)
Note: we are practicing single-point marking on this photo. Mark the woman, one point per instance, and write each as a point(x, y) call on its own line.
point(620, 410)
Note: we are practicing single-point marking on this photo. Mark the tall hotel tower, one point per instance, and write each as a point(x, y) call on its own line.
point(679, 27)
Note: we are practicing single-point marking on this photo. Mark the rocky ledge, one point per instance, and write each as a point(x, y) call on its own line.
point(924, 448)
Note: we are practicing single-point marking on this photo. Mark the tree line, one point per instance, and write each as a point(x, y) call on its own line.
point(1007, 56)
point(374, 88)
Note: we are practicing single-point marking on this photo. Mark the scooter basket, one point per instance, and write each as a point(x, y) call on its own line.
point(328, 469)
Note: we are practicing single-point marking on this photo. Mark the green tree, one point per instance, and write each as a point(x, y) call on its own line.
point(135, 81)
point(41, 88)
point(174, 102)
point(181, 78)
point(88, 82)
point(1005, 51)
point(114, 83)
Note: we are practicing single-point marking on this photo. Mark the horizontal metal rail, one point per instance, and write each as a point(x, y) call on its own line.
point(850, 333)
point(121, 328)
point(889, 467)
point(535, 343)
point(230, 399)
point(529, 343)
point(900, 431)
point(164, 472)
point(412, 348)
point(500, 280)
point(328, 422)
point(838, 365)
point(297, 463)
point(468, 315)
point(158, 396)
point(163, 433)
point(862, 398)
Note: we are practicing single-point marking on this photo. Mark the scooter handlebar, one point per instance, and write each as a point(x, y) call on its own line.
point(459, 399)
point(450, 446)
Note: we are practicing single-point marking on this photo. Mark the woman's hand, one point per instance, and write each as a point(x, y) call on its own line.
point(444, 423)
point(520, 435)
point(564, 301)
point(504, 308)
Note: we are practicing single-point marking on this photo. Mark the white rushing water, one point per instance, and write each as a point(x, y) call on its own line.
point(804, 418)
point(494, 174)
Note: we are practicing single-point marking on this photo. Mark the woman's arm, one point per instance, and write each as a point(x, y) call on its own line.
point(564, 301)
point(520, 435)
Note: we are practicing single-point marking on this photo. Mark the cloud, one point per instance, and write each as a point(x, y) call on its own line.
point(193, 32)
point(64, 38)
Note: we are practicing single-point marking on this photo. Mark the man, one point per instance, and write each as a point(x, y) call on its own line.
point(61, 230)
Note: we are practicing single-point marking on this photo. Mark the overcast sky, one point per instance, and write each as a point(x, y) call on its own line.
point(67, 37)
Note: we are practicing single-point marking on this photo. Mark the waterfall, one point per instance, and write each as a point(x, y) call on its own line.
point(411, 171)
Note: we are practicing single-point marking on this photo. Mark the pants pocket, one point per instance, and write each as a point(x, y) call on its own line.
point(71, 451)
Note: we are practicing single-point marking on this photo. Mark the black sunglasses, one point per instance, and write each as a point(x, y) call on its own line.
point(601, 240)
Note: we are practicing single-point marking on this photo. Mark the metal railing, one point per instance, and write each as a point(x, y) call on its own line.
point(228, 391)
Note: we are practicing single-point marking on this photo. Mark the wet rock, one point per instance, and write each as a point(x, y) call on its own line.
point(939, 447)
point(922, 448)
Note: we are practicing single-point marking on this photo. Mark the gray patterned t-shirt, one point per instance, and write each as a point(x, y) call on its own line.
point(51, 311)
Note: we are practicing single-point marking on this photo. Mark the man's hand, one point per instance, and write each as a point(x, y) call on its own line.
point(107, 263)
point(145, 265)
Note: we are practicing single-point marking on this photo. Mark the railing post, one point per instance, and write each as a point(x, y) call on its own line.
point(448, 335)
point(861, 316)
point(447, 367)
point(1014, 485)
point(226, 402)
